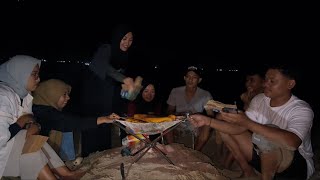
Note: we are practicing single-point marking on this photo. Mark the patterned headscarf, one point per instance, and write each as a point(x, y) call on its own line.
point(16, 72)
point(49, 92)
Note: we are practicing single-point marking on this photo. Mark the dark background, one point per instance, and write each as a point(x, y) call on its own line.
point(228, 37)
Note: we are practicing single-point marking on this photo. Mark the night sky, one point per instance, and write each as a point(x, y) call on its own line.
point(52, 30)
point(229, 36)
point(216, 37)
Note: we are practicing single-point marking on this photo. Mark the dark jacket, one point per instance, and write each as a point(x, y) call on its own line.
point(52, 119)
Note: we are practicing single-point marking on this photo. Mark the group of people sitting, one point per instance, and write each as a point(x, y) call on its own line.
point(271, 134)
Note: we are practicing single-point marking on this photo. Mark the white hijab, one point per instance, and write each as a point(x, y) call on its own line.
point(16, 72)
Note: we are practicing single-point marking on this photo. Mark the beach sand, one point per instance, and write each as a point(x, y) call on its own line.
point(189, 164)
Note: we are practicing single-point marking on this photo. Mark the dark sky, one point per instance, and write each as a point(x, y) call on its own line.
point(228, 36)
point(54, 30)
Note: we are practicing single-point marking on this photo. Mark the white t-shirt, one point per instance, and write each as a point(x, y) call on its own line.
point(177, 98)
point(295, 116)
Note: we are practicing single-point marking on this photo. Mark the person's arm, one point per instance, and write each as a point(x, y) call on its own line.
point(199, 120)
point(21, 123)
point(14, 129)
point(101, 66)
point(277, 135)
point(114, 74)
point(50, 118)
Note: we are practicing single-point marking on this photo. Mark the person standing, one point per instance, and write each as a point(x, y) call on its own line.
point(102, 86)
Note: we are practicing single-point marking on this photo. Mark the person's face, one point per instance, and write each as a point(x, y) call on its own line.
point(277, 85)
point(192, 79)
point(63, 100)
point(126, 41)
point(34, 79)
point(254, 83)
point(148, 93)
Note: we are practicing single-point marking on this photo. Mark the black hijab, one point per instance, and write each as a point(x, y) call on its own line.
point(119, 58)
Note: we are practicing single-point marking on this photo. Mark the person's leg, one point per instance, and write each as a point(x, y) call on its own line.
point(201, 140)
point(57, 165)
point(35, 166)
point(269, 163)
point(297, 169)
point(46, 174)
point(241, 148)
point(64, 173)
point(228, 159)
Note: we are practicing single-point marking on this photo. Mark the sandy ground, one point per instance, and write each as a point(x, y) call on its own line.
point(211, 151)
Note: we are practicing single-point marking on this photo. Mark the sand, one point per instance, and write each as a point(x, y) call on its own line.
point(189, 164)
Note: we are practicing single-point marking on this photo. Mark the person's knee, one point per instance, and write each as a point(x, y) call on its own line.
point(263, 144)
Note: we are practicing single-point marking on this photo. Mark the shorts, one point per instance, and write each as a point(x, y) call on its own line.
point(297, 169)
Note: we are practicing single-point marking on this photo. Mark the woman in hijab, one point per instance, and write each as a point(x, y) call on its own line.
point(19, 76)
point(108, 70)
point(102, 85)
point(50, 98)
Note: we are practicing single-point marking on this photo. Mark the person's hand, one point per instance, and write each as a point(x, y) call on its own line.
point(32, 129)
point(198, 120)
point(114, 116)
point(24, 119)
point(107, 119)
point(236, 118)
point(128, 81)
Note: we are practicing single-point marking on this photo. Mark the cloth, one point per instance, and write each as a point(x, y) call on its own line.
point(16, 72)
point(49, 92)
point(101, 66)
point(53, 119)
point(109, 60)
point(67, 151)
point(55, 139)
point(10, 110)
point(28, 166)
point(262, 145)
point(295, 116)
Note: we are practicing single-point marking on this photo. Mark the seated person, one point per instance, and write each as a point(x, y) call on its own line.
point(273, 135)
point(50, 98)
point(254, 85)
point(146, 102)
point(190, 98)
point(19, 76)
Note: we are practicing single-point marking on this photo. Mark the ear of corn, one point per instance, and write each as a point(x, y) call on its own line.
point(138, 118)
